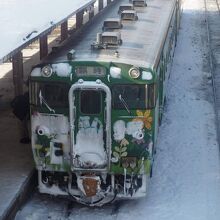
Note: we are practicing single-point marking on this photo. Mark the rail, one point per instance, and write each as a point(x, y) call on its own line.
point(211, 63)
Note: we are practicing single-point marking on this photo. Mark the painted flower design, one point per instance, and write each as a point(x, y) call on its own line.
point(145, 117)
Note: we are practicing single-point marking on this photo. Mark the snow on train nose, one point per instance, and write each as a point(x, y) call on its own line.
point(90, 117)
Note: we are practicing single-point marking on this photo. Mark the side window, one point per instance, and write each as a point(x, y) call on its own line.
point(133, 96)
point(151, 95)
point(54, 94)
point(33, 90)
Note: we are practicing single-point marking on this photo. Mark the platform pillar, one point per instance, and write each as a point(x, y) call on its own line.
point(79, 19)
point(64, 31)
point(100, 5)
point(18, 75)
point(43, 46)
point(91, 11)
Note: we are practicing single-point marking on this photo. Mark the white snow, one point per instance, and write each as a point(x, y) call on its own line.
point(55, 127)
point(20, 18)
point(119, 130)
point(90, 154)
point(134, 128)
point(62, 69)
point(36, 72)
point(115, 72)
point(186, 174)
point(146, 75)
point(53, 190)
point(58, 124)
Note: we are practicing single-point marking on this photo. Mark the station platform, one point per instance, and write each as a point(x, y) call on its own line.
point(17, 172)
point(16, 163)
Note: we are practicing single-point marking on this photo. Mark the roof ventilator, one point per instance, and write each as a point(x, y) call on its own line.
point(71, 55)
point(125, 7)
point(107, 39)
point(129, 15)
point(139, 3)
point(112, 23)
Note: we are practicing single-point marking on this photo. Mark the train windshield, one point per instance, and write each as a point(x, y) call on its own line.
point(53, 94)
point(134, 96)
point(90, 102)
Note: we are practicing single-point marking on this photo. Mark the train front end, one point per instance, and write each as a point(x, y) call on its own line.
point(94, 126)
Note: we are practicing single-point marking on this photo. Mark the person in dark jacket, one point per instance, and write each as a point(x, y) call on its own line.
point(21, 109)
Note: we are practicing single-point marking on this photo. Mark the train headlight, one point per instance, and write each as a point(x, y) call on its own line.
point(134, 72)
point(42, 130)
point(47, 71)
point(147, 75)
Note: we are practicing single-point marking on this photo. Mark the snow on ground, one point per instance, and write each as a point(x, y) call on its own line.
point(186, 175)
point(19, 18)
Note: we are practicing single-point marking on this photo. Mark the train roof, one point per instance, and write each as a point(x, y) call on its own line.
point(113, 19)
point(128, 11)
point(142, 39)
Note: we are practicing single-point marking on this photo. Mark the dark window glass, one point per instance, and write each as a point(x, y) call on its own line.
point(131, 95)
point(151, 95)
point(109, 39)
point(134, 96)
point(55, 94)
point(109, 24)
point(90, 102)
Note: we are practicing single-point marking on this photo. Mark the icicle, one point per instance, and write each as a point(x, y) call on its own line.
point(142, 166)
point(125, 177)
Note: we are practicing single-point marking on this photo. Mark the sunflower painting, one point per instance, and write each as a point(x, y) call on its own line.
point(145, 117)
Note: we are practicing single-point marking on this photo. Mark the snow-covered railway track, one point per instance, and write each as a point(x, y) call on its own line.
point(212, 14)
point(49, 207)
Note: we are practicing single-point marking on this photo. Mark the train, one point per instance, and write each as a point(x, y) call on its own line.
point(97, 104)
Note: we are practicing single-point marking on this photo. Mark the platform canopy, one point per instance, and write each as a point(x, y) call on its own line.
point(23, 21)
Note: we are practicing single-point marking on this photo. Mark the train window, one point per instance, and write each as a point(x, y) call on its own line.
point(151, 95)
point(90, 70)
point(131, 95)
point(54, 94)
point(134, 96)
point(90, 102)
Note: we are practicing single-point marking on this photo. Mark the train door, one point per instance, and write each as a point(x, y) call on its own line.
point(90, 116)
point(161, 88)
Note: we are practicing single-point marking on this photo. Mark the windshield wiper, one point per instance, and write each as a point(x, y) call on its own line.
point(124, 103)
point(42, 100)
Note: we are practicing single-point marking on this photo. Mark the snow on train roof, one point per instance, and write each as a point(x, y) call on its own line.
point(142, 39)
point(22, 20)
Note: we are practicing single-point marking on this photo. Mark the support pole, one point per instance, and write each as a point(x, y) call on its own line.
point(100, 5)
point(109, 2)
point(18, 75)
point(91, 11)
point(43, 47)
point(79, 19)
point(64, 31)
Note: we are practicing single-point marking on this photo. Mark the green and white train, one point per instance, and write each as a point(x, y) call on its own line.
point(97, 105)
